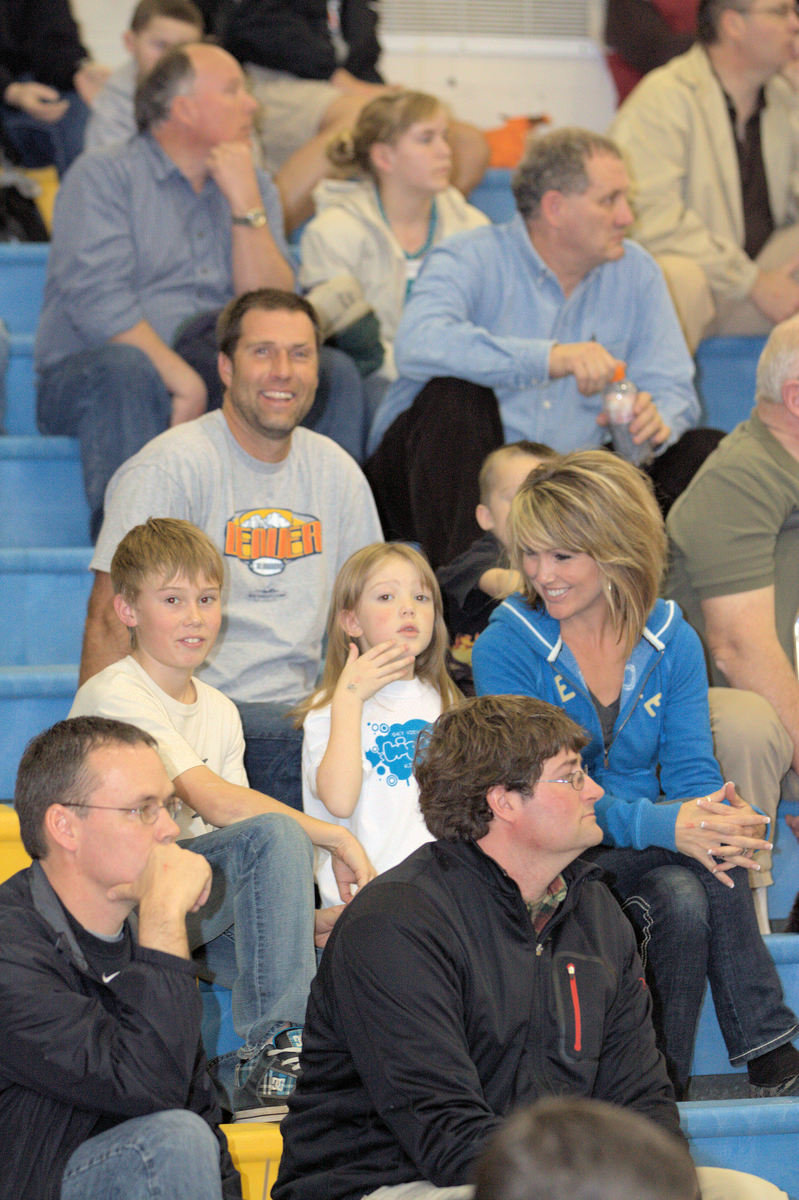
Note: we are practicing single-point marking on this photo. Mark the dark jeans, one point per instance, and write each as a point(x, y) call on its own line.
point(273, 751)
point(113, 400)
point(40, 143)
point(690, 928)
point(424, 472)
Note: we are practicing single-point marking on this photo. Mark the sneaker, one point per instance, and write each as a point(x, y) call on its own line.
point(788, 1087)
point(272, 1078)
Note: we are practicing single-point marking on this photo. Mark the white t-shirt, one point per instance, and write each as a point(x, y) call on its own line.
point(205, 733)
point(386, 819)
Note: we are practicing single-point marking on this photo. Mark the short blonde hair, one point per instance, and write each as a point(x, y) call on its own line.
point(163, 548)
point(347, 591)
point(384, 119)
point(486, 480)
point(593, 502)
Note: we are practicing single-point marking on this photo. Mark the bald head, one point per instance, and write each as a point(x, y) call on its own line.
point(198, 92)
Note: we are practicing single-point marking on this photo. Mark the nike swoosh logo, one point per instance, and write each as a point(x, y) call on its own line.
point(108, 978)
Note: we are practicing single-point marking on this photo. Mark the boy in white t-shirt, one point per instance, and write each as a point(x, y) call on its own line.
point(256, 933)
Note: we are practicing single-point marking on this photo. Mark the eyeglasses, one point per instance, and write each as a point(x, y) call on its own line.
point(575, 779)
point(781, 11)
point(147, 813)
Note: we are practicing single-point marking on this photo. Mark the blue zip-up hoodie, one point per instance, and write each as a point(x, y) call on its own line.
point(661, 749)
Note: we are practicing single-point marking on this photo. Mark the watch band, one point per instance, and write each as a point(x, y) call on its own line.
point(255, 218)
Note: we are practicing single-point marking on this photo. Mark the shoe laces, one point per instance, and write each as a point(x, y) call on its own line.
point(287, 1057)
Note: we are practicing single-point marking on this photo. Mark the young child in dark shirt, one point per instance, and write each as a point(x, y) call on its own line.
point(474, 583)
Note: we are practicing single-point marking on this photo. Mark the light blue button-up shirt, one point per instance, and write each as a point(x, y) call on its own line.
point(133, 241)
point(487, 308)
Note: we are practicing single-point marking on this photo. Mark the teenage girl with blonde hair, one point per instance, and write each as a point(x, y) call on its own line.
point(384, 680)
point(378, 224)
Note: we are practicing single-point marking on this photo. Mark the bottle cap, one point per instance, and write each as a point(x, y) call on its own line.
point(618, 372)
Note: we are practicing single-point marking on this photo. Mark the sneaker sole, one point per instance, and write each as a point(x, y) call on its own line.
point(275, 1112)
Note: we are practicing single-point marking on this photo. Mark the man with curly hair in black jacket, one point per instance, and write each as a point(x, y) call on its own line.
point(489, 969)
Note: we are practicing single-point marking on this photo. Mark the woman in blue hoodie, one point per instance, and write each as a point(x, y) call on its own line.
point(590, 635)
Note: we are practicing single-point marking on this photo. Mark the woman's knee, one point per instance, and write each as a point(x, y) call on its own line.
point(672, 898)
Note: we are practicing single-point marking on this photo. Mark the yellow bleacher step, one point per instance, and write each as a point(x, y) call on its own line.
point(13, 856)
point(255, 1147)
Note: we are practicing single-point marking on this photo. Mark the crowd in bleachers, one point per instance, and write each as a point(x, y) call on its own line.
point(347, 461)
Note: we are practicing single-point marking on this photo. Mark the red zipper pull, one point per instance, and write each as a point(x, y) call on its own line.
point(578, 1023)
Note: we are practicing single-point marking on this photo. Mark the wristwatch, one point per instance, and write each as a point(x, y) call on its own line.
point(255, 218)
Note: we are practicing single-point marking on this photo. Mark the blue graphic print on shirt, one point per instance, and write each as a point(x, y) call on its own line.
point(393, 749)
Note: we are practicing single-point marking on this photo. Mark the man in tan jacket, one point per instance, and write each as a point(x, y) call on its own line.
point(712, 143)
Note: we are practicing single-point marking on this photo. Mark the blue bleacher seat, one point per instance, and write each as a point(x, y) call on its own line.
point(725, 379)
point(42, 502)
point(23, 267)
point(493, 195)
point(710, 1053)
point(786, 864)
point(758, 1136)
point(20, 387)
point(43, 596)
point(31, 699)
point(218, 1035)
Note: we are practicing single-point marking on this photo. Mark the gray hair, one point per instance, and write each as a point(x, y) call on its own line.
point(778, 362)
point(173, 75)
point(556, 162)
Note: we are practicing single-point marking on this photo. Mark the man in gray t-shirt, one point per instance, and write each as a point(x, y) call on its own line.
point(284, 505)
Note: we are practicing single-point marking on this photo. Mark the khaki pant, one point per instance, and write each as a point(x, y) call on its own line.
point(701, 314)
point(715, 1183)
point(754, 751)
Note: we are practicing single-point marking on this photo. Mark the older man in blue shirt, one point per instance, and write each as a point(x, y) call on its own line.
point(513, 331)
point(147, 235)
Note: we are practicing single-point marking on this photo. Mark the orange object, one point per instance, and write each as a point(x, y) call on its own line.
point(508, 142)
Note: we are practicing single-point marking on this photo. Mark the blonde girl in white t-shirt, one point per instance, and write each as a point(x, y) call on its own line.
point(385, 679)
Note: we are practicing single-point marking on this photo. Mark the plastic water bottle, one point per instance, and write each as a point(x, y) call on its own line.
point(619, 400)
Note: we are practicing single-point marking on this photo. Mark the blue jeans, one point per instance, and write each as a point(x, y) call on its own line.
point(40, 143)
point(273, 751)
point(255, 933)
point(171, 1155)
point(113, 400)
point(690, 928)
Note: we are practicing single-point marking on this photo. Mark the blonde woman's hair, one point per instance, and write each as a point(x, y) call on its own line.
point(384, 119)
point(593, 502)
point(347, 592)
